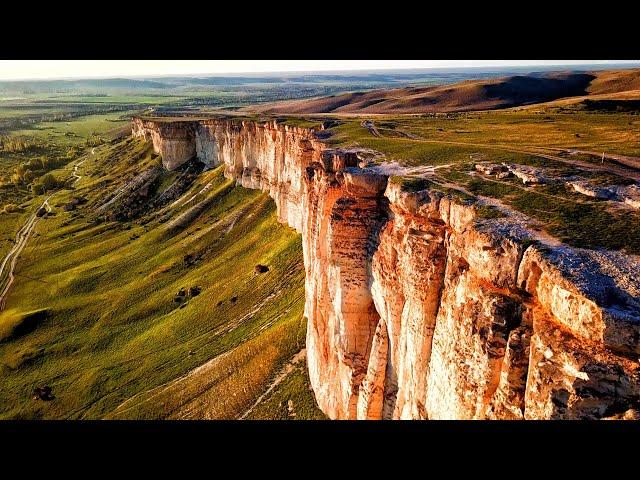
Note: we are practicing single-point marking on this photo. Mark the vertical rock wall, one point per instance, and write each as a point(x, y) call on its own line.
point(419, 308)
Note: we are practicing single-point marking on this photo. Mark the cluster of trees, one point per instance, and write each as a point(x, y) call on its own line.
point(94, 140)
point(26, 172)
point(17, 145)
point(33, 173)
point(46, 182)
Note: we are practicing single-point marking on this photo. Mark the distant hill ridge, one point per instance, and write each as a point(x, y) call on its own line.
point(470, 95)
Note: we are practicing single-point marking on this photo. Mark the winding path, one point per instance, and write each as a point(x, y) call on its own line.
point(8, 264)
point(282, 375)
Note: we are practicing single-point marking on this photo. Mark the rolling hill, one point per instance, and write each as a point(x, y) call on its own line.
point(471, 95)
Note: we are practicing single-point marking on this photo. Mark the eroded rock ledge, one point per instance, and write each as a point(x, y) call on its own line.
point(417, 306)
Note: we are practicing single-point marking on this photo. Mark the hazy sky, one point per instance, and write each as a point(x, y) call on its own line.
point(32, 69)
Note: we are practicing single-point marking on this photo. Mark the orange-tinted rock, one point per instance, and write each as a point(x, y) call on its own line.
point(416, 307)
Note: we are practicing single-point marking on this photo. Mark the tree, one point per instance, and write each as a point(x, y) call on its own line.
point(20, 169)
point(37, 163)
point(37, 189)
point(49, 181)
point(28, 176)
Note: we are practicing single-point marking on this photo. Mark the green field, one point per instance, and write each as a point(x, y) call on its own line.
point(76, 131)
point(157, 99)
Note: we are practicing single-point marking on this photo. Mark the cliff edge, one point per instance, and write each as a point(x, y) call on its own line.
point(418, 304)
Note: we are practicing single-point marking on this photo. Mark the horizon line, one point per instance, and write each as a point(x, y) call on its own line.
point(361, 71)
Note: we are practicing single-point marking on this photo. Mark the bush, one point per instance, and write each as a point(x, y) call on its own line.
point(94, 141)
point(49, 181)
point(36, 163)
point(73, 152)
point(11, 208)
point(37, 189)
point(28, 176)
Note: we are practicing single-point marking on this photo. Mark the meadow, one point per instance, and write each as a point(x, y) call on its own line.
point(76, 131)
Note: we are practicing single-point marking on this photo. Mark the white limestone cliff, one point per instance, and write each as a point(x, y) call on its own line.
point(417, 306)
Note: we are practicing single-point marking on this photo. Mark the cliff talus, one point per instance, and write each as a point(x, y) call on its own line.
point(417, 305)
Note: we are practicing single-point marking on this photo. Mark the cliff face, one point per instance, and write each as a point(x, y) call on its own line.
point(419, 308)
point(174, 141)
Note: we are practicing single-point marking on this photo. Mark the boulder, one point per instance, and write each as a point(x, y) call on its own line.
point(490, 168)
point(43, 393)
point(261, 269)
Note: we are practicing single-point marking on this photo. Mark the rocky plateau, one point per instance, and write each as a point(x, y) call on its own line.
point(418, 307)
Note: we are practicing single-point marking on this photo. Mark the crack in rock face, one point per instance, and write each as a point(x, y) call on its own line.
point(417, 306)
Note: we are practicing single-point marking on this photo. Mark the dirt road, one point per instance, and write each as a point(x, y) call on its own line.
point(8, 265)
point(369, 125)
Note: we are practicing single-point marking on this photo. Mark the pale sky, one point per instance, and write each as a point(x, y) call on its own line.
point(43, 69)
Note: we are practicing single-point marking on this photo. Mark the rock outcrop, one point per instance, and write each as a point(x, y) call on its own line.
point(590, 190)
point(417, 306)
point(175, 141)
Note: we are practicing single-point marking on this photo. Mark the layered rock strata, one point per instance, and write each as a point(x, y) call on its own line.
point(419, 308)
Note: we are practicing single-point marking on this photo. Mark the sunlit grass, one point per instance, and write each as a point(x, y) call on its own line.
point(114, 329)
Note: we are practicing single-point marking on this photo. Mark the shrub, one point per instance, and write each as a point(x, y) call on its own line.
point(11, 208)
point(261, 268)
point(28, 176)
point(37, 189)
point(49, 181)
point(94, 141)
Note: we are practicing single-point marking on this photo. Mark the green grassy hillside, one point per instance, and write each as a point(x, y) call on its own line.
point(104, 312)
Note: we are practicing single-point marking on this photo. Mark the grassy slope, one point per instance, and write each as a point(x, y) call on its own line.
point(112, 329)
point(52, 134)
point(9, 225)
point(293, 392)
